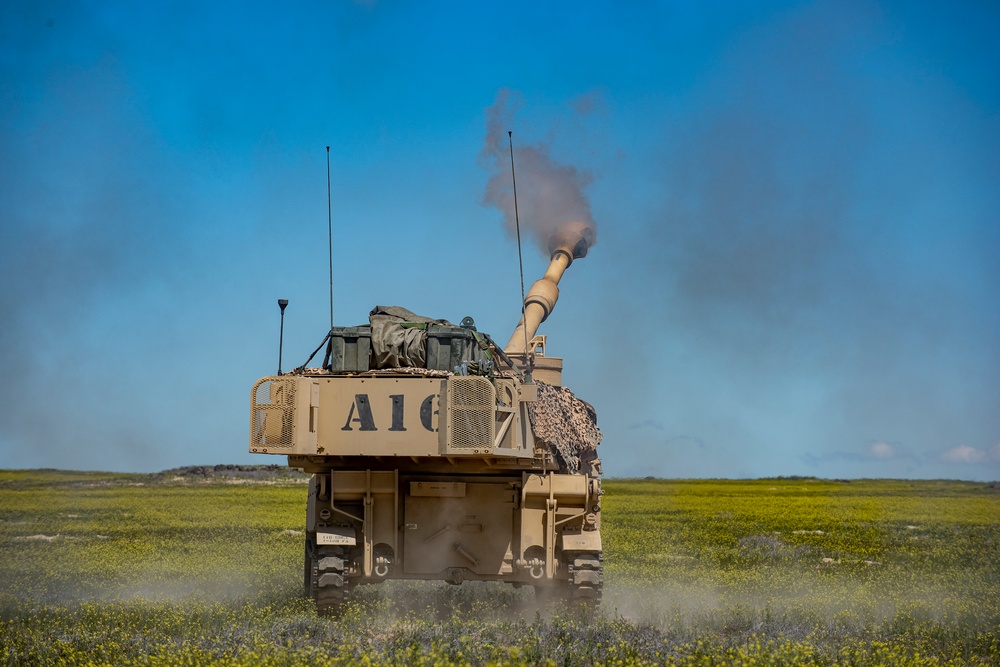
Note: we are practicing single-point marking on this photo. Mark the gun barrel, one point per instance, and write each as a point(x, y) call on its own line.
point(571, 242)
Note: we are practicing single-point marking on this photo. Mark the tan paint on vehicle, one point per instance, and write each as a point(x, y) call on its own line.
point(432, 475)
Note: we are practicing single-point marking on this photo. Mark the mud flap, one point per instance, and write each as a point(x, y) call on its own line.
point(581, 540)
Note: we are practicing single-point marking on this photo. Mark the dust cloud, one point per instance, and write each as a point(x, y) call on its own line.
point(84, 226)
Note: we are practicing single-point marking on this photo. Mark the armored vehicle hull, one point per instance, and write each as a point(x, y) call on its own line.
point(436, 455)
point(454, 488)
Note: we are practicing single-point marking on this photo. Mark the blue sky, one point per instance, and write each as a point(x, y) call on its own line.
point(797, 209)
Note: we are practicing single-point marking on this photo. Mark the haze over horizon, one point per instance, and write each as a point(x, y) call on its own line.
point(797, 204)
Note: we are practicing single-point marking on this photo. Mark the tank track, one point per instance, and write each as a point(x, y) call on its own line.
point(586, 578)
point(326, 578)
point(583, 587)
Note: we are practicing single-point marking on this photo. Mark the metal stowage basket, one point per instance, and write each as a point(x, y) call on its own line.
point(272, 414)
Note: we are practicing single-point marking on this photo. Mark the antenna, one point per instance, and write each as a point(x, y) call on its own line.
point(329, 225)
point(281, 336)
point(520, 261)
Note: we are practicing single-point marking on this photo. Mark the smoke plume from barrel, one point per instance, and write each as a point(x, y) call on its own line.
point(549, 194)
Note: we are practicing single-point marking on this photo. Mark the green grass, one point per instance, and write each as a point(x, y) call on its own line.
point(171, 569)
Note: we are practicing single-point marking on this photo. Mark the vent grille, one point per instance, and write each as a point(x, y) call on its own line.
point(272, 416)
point(471, 402)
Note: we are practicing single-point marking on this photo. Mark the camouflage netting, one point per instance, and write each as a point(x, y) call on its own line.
point(566, 424)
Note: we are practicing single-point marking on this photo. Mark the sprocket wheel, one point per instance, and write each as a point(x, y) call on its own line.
point(583, 586)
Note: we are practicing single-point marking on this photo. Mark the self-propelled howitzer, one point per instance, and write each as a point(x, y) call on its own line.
point(435, 456)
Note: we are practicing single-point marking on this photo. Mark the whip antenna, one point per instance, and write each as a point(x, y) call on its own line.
point(520, 261)
point(329, 224)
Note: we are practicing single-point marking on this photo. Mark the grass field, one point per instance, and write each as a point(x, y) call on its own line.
point(187, 568)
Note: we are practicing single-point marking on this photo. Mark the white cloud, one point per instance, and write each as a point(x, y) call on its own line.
point(881, 451)
point(965, 454)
